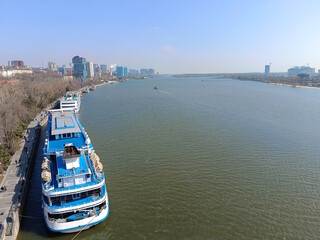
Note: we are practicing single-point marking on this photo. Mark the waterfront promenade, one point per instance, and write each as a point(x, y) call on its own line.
point(15, 182)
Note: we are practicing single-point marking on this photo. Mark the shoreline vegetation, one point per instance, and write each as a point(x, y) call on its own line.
point(275, 79)
point(23, 97)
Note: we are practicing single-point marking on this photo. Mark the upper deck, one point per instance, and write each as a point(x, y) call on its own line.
point(64, 127)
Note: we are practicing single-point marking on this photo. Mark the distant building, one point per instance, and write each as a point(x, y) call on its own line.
point(17, 63)
point(52, 66)
point(133, 72)
point(90, 69)
point(295, 71)
point(103, 68)
point(143, 71)
point(125, 71)
point(96, 68)
point(267, 69)
point(62, 70)
point(151, 71)
point(12, 72)
point(79, 68)
point(119, 71)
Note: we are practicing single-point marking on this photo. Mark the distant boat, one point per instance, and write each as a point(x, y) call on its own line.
point(92, 88)
point(85, 90)
point(155, 87)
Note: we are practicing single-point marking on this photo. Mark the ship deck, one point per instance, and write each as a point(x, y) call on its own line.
point(64, 172)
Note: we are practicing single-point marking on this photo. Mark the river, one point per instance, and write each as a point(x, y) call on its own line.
point(201, 158)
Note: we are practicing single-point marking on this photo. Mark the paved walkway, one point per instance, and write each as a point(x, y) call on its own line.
point(14, 181)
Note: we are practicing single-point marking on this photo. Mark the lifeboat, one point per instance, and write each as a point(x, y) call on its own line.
point(96, 162)
point(45, 164)
point(99, 167)
point(46, 175)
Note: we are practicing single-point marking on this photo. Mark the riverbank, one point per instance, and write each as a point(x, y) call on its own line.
point(15, 181)
point(293, 86)
point(14, 186)
point(16, 178)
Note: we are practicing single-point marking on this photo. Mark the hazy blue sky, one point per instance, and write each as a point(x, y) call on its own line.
point(170, 36)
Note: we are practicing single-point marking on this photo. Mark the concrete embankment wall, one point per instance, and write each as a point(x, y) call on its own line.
point(24, 171)
point(17, 179)
point(28, 171)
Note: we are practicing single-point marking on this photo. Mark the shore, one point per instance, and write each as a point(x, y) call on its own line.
point(293, 86)
point(14, 184)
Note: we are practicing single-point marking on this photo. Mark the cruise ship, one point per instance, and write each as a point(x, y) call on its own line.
point(74, 194)
point(71, 101)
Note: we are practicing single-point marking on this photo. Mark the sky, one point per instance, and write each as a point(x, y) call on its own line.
point(171, 36)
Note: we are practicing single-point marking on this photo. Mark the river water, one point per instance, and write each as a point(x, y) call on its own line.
point(201, 158)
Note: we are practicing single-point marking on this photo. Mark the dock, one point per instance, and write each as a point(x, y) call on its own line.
point(14, 186)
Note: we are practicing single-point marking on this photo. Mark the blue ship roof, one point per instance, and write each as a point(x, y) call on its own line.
point(64, 172)
point(69, 129)
point(64, 122)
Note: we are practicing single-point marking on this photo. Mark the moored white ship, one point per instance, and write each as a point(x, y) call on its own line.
point(74, 195)
point(71, 101)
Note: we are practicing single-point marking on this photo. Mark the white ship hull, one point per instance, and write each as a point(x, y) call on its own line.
point(76, 226)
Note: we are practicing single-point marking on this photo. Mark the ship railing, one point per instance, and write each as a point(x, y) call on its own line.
point(47, 185)
point(52, 151)
point(92, 212)
point(85, 201)
point(58, 220)
point(76, 187)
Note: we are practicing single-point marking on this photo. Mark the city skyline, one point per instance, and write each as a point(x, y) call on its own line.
point(172, 37)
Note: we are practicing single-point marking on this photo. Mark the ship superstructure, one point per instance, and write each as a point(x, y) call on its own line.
point(74, 195)
point(71, 101)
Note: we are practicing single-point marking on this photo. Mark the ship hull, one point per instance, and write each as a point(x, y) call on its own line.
point(76, 226)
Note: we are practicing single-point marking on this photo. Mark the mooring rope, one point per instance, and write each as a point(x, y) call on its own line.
point(83, 228)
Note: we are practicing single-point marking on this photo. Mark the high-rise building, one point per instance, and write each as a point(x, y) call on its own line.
point(52, 66)
point(151, 71)
point(301, 70)
point(267, 69)
point(103, 68)
point(96, 68)
point(62, 70)
point(125, 71)
point(79, 68)
point(133, 71)
point(90, 69)
point(143, 71)
point(17, 63)
point(119, 71)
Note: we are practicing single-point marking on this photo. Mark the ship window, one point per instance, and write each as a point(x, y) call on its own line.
point(76, 196)
point(68, 134)
point(64, 135)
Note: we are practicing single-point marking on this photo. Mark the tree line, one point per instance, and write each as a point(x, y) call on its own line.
point(21, 100)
